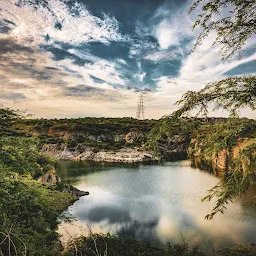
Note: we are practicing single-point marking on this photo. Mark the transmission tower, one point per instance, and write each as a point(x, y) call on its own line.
point(140, 109)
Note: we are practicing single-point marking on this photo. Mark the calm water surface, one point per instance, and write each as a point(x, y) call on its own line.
point(153, 202)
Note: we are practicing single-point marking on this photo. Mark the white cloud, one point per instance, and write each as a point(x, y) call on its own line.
point(205, 64)
point(163, 55)
point(141, 76)
point(106, 71)
point(102, 69)
point(83, 54)
point(122, 61)
point(166, 35)
point(140, 48)
point(83, 27)
point(173, 27)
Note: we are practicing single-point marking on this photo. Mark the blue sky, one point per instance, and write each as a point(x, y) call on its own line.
point(93, 57)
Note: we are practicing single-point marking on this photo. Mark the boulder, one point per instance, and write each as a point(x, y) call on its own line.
point(130, 137)
point(49, 178)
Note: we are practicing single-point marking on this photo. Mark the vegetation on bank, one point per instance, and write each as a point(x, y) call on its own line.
point(231, 148)
point(28, 216)
point(88, 125)
point(28, 209)
point(21, 155)
point(210, 138)
point(101, 245)
point(98, 244)
point(79, 133)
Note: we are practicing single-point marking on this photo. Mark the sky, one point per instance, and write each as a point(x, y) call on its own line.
point(94, 57)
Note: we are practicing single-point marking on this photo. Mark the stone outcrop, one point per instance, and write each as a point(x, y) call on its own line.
point(220, 160)
point(74, 191)
point(131, 137)
point(49, 177)
point(52, 178)
point(175, 147)
point(224, 159)
point(124, 155)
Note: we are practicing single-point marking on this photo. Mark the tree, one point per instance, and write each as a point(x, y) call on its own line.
point(231, 94)
point(18, 153)
point(8, 118)
point(233, 21)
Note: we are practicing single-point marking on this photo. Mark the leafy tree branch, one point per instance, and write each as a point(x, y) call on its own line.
point(231, 94)
point(233, 21)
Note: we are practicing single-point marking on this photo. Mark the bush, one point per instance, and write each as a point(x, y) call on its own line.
point(28, 213)
point(98, 244)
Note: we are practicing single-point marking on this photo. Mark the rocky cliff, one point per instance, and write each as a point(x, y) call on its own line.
point(123, 155)
point(132, 151)
point(174, 147)
point(242, 156)
point(51, 178)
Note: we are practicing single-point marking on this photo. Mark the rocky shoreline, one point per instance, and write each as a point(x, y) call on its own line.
point(52, 178)
point(123, 155)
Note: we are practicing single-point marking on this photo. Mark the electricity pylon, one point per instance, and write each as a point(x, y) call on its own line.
point(140, 109)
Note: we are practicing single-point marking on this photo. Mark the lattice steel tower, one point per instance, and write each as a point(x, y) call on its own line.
point(140, 109)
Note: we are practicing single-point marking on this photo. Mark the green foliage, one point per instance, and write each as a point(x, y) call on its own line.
point(238, 250)
point(240, 169)
point(233, 21)
point(28, 209)
point(168, 127)
point(8, 117)
point(212, 138)
point(97, 244)
point(21, 155)
point(235, 183)
point(28, 216)
point(78, 133)
point(101, 245)
point(230, 94)
point(88, 125)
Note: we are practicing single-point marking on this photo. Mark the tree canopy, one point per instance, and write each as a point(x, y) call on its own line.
point(230, 93)
point(233, 21)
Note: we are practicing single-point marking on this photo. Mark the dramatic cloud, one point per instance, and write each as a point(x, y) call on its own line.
point(57, 21)
point(68, 58)
point(12, 96)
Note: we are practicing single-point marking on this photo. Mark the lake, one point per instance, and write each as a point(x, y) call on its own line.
point(156, 202)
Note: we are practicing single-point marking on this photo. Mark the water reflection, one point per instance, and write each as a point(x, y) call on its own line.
point(156, 203)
